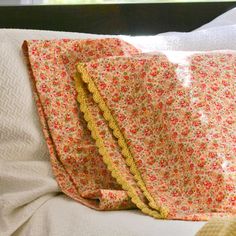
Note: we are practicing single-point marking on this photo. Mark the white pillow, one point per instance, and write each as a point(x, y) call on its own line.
point(216, 38)
point(219, 34)
point(226, 19)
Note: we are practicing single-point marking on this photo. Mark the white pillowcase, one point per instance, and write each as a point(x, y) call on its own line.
point(226, 19)
point(219, 34)
point(217, 38)
point(26, 179)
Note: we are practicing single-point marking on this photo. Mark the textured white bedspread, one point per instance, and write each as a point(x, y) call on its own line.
point(61, 216)
point(30, 201)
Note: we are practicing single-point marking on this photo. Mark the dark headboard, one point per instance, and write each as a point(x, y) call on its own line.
point(134, 19)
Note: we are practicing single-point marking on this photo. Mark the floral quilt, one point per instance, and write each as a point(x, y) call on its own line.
point(130, 130)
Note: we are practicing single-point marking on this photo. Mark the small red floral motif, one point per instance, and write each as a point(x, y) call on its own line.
point(180, 136)
point(74, 156)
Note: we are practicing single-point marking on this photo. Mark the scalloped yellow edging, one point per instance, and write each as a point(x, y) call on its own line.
point(102, 150)
point(160, 211)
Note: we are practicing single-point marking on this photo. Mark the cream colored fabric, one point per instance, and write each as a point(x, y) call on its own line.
point(61, 216)
point(219, 227)
point(26, 179)
point(218, 34)
point(223, 20)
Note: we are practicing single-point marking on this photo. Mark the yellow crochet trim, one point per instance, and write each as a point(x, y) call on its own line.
point(121, 141)
point(81, 98)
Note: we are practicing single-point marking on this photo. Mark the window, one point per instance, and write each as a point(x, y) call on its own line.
point(121, 1)
point(39, 2)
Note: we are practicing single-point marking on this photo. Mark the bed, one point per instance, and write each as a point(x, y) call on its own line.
point(31, 202)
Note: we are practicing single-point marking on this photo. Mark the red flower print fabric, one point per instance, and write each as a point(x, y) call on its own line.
point(77, 165)
point(165, 126)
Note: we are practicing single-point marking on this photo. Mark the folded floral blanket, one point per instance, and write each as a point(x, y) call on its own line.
point(76, 162)
point(151, 131)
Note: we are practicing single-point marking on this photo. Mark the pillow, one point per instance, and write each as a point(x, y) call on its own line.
point(218, 34)
point(226, 19)
point(217, 38)
point(173, 114)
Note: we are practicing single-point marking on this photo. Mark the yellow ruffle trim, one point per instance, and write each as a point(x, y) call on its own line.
point(160, 211)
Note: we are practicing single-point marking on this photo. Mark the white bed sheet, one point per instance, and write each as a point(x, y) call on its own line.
point(29, 200)
point(63, 217)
